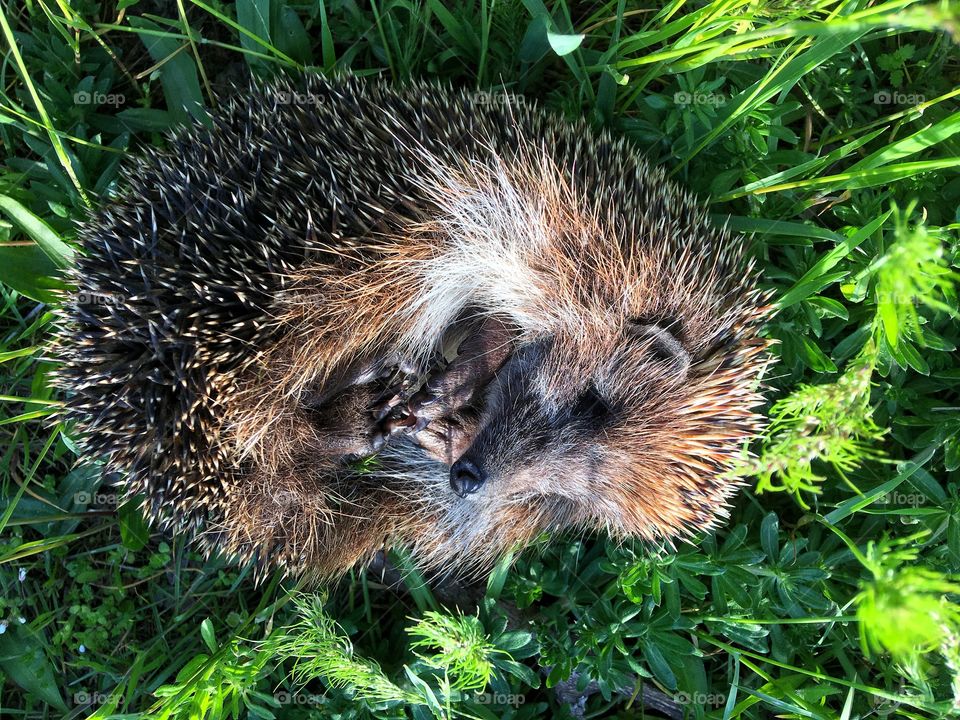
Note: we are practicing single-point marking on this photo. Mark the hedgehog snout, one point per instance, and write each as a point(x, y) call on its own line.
point(515, 432)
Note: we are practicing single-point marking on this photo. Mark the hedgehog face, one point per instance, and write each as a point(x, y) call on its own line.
point(537, 438)
point(634, 443)
point(583, 450)
point(521, 433)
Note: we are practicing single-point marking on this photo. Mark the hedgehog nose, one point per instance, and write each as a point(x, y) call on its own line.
point(465, 477)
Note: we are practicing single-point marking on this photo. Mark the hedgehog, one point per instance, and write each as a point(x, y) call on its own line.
point(344, 316)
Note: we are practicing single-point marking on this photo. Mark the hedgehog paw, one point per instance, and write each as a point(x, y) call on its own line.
point(396, 421)
point(447, 438)
point(463, 380)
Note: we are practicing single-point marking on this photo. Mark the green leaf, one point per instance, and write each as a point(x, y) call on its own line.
point(815, 357)
point(39, 231)
point(499, 576)
point(814, 279)
point(912, 144)
point(855, 504)
point(830, 307)
point(866, 178)
point(178, 73)
point(134, 532)
point(513, 640)
point(25, 663)
point(769, 534)
point(928, 485)
point(31, 272)
point(327, 49)
point(458, 27)
point(290, 36)
point(191, 668)
point(909, 355)
point(891, 322)
point(951, 452)
point(800, 169)
point(777, 227)
point(206, 632)
point(149, 119)
point(564, 44)
point(254, 16)
point(416, 584)
point(659, 666)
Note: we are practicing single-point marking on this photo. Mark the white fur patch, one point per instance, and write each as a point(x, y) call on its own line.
point(492, 231)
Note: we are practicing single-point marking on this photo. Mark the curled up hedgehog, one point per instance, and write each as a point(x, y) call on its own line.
point(347, 316)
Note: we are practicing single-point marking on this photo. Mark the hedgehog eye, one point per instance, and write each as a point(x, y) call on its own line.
point(591, 406)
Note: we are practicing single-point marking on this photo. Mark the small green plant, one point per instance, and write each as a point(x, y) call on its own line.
point(220, 683)
point(318, 648)
point(818, 425)
point(914, 273)
point(461, 649)
point(896, 63)
point(903, 609)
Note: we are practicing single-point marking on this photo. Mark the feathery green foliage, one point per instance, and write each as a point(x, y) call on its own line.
point(461, 648)
point(318, 648)
point(830, 424)
point(904, 610)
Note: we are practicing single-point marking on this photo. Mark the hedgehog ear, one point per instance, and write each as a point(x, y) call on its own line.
point(661, 339)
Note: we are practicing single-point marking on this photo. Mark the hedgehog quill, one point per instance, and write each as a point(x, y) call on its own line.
point(349, 316)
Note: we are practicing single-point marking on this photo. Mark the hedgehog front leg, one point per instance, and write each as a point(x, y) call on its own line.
point(446, 439)
point(478, 357)
point(349, 411)
point(446, 410)
point(341, 424)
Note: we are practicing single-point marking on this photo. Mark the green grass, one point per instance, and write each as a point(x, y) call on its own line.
point(828, 130)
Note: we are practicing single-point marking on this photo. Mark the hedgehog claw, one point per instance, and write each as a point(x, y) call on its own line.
point(391, 420)
point(385, 404)
point(400, 424)
point(421, 400)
